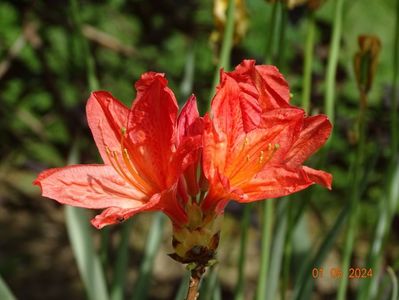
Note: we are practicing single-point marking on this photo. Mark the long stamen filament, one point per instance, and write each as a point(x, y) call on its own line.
point(133, 170)
point(245, 171)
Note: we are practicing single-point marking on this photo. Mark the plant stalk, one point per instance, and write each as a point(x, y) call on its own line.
point(227, 45)
point(354, 200)
point(395, 88)
point(195, 280)
point(307, 70)
point(333, 61)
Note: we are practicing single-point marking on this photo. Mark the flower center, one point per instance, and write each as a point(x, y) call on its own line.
point(123, 164)
point(250, 161)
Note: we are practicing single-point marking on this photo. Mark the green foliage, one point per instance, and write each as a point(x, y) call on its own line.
point(51, 64)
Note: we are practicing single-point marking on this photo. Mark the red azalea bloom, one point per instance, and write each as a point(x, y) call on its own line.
point(255, 142)
point(145, 149)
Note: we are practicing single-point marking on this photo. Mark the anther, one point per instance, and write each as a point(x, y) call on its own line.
point(261, 157)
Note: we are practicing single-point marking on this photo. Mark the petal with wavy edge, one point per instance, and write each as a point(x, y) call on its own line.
point(215, 149)
point(113, 215)
point(263, 88)
point(225, 109)
point(189, 122)
point(273, 182)
point(152, 128)
point(319, 177)
point(106, 116)
point(314, 134)
point(90, 186)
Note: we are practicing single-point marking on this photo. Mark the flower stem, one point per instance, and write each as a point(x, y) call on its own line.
point(267, 217)
point(195, 280)
point(91, 74)
point(395, 88)
point(239, 291)
point(307, 70)
point(354, 200)
point(272, 30)
point(227, 45)
point(333, 61)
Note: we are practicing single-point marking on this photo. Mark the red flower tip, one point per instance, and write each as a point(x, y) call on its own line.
point(148, 78)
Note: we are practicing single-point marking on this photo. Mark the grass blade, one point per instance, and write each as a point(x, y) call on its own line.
point(121, 262)
point(277, 249)
point(5, 292)
point(239, 291)
point(265, 248)
point(394, 281)
point(154, 239)
point(305, 281)
point(89, 265)
point(182, 291)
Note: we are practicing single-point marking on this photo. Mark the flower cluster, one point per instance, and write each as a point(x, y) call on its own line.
point(250, 146)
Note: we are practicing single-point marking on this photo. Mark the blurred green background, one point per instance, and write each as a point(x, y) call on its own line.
point(44, 51)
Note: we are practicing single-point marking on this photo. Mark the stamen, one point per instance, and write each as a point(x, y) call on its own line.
point(246, 141)
point(130, 166)
point(252, 167)
point(124, 175)
point(109, 154)
point(113, 159)
point(261, 156)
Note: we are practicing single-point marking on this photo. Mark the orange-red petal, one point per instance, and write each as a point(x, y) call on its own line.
point(90, 186)
point(152, 128)
point(313, 135)
point(106, 117)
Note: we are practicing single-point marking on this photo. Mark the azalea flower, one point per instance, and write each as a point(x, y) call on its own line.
point(255, 142)
point(250, 146)
point(145, 149)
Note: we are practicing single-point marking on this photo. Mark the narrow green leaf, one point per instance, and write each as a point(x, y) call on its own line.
point(5, 292)
point(277, 249)
point(208, 284)
point(89, 265)
point(305, 281)
point(121, 262)
point(182, 291)
point(154, 239)
point(267, 219)
point(387, 209)
point(394, 280)
point(239, 291)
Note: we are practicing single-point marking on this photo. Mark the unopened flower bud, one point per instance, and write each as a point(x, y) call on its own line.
point(366, 61)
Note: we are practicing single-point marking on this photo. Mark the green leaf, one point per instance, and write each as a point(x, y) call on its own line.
point(305, 281)
point(182, 291)
point(89, 265)
point(121, 262)
point(154, 239)
point(5, 293)
point(394, 281)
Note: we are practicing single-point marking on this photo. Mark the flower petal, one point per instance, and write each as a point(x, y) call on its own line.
point(313, 135)
point(214, 151)
point(189, 122)
point(106, 116)
point(226, 112)
point(152, 128)
point(90, 186)
point(319, 177)
point(263, 86)
point(115, 215)
point(273, 182)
